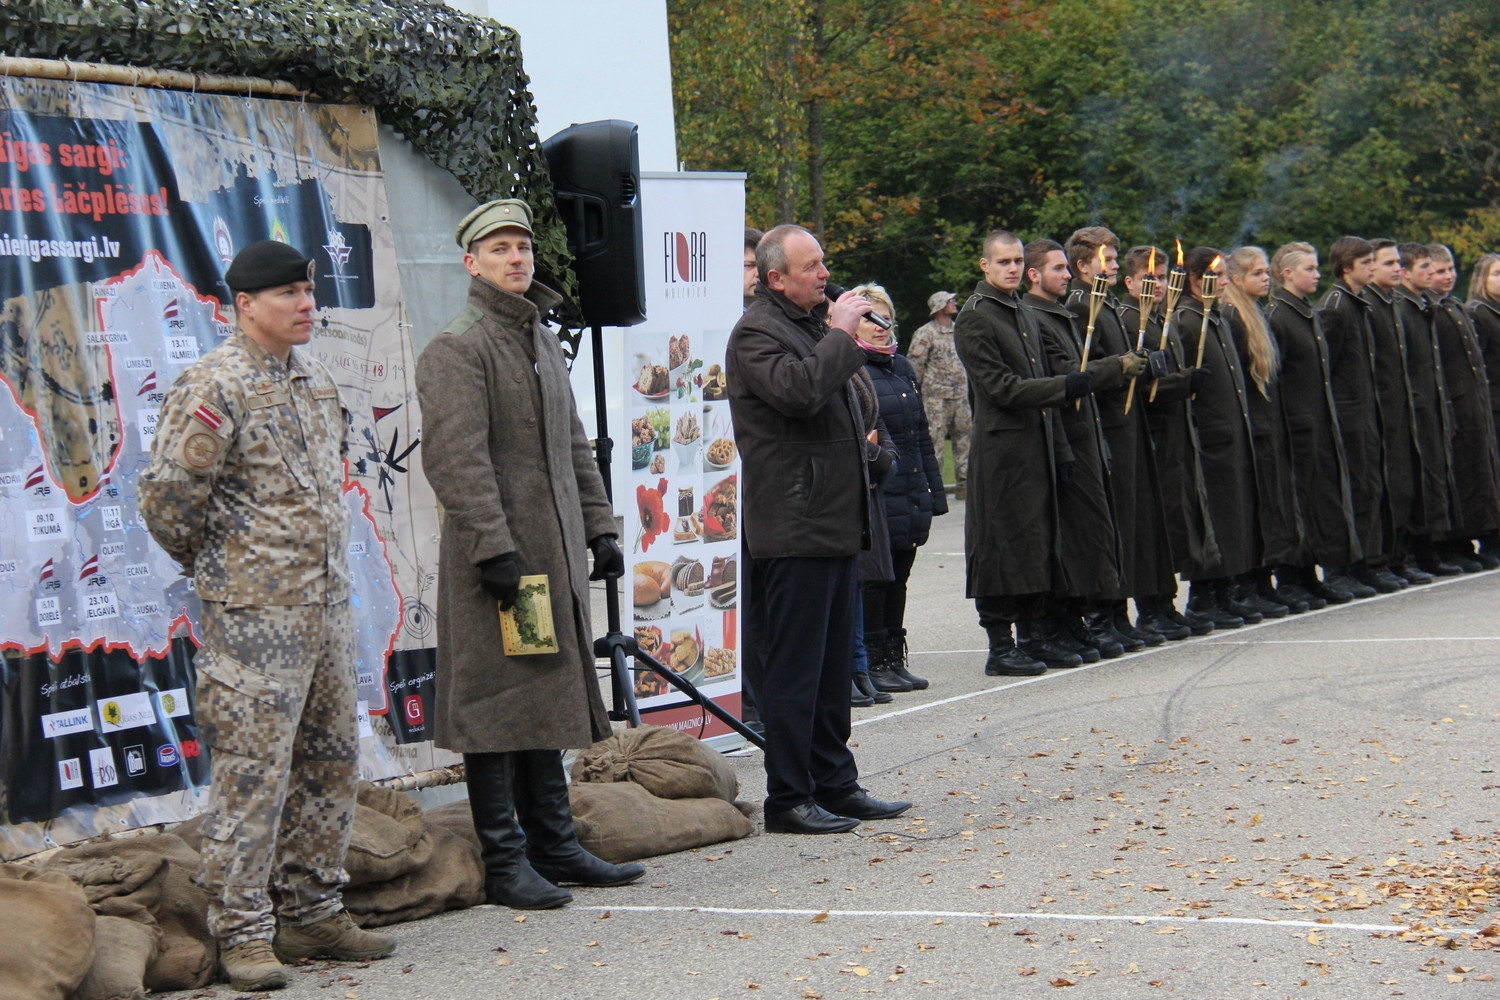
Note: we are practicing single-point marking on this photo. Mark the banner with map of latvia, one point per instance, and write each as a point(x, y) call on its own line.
point(120, 209)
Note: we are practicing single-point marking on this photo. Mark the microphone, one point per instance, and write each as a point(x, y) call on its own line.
point(834, 290)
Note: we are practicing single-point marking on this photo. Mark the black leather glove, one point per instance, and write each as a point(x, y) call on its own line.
point(1159, 366)
point(1199, 380)
point(609, 561)
point(1065, 472)
point(1079, 384)
point(500, 576)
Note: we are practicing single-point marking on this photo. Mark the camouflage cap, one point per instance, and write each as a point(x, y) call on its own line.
point(268, 264)
point(489, 217)
point(938, 301)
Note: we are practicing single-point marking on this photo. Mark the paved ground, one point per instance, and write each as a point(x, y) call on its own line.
point(1258, 813)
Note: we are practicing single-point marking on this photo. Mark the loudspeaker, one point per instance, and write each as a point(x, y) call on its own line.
point(596, 177)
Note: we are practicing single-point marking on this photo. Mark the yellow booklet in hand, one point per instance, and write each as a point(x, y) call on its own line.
point(526, 629)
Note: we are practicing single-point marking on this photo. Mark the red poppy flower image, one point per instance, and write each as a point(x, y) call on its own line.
point(653, 513)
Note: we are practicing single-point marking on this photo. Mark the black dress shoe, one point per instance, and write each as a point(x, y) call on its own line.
point(1488, 558)
point(1011, 662)
point(808, 818)
point(857, 698)
point(860, 804)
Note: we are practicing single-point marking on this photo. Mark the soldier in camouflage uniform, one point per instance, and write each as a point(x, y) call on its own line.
point(245, 491)
point(944, 385)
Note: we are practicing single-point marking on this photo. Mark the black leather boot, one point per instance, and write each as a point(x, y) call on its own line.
point(1036, 638)
point(1070, 633)
point(881, 675)
point(1098, 625)
point(1121, 617)
point(509, 878)
point(1005, 660)
point(1254, 591)
point(1203, 601)
point(862, 686)
point(1323, 589)
point(1291, 591)
point(1228, 592)
point(547, 817)
point(857, 696)
point(1156, 614)
point(895, 641)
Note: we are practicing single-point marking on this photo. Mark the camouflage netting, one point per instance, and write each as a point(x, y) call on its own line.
point(450, 83)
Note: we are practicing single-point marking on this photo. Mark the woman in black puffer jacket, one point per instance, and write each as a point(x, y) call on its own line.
point(913, 495)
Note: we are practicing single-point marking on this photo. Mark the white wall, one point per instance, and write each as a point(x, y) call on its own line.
point(595, 59)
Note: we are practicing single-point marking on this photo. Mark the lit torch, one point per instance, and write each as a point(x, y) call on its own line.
point(1176, 283)
point(1097, 293)
point(1210, 292)
point(1147, 292)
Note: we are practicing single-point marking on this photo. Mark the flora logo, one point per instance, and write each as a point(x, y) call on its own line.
point(684, 258)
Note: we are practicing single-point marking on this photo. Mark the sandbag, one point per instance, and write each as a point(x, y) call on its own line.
point(451, 879)
point(622, 821)
point(667, 763)
point(48, 932)
point(388, 839)
point(149, 880)
point(122, 951)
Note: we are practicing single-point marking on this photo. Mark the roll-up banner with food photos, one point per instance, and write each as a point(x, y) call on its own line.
point(682, 538)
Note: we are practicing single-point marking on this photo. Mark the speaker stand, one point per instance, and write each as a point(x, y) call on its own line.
point(614, 644)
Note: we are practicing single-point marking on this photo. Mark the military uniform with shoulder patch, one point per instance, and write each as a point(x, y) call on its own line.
point(245, 491)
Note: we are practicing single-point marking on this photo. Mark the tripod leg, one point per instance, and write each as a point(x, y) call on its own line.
point(624, 682)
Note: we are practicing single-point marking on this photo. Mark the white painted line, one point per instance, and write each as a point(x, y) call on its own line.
point(1265, 922)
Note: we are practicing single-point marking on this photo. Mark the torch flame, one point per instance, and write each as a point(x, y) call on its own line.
point(1101, 256)
point(1151, 262)
point(1179, 253)
point(1214, 265)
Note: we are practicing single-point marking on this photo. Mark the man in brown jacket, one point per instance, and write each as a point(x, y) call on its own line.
point(499, 418)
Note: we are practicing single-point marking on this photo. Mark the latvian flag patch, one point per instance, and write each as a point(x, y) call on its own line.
point(208, 416)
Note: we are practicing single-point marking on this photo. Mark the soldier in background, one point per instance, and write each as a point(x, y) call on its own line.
point(944, 387)
point(245, 491)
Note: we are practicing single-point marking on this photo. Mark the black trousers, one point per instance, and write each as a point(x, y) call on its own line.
point(999, 611)
point(885, 602)
point(799, 634)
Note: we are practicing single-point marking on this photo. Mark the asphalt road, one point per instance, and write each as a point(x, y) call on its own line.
point(1257, 813)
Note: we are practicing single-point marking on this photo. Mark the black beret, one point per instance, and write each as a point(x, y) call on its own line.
point(267, 264)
